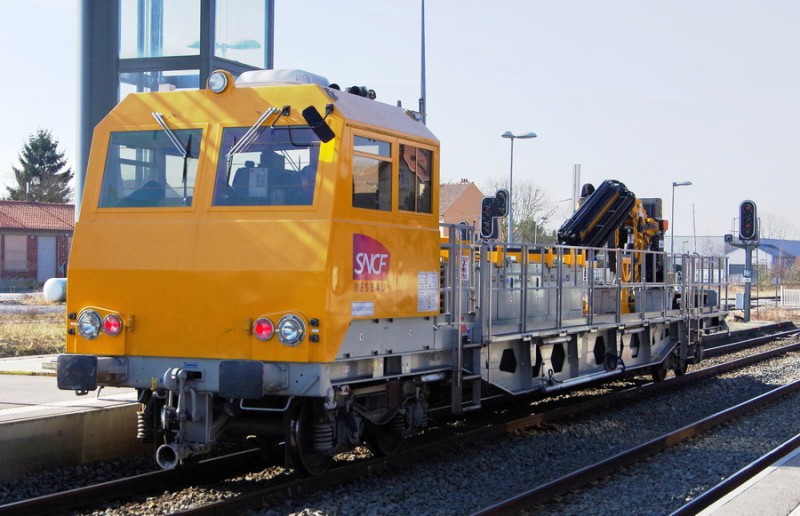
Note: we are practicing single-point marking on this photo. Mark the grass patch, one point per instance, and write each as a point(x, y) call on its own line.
point(36, 299)
point(29, 333)
point(775, 314)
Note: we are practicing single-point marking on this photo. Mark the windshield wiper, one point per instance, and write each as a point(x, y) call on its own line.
point(185, 160)
point(172, 137)
point(249, 137)
point(184, 150)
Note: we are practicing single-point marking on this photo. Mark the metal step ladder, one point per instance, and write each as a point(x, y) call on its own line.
point(466, 376)
point(466, 385)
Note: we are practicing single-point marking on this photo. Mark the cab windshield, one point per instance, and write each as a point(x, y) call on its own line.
point(278, 168)
point(144, 169)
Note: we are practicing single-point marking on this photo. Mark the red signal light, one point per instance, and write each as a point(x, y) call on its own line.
point(112, 325)
point(263, 329)
point(748, 221)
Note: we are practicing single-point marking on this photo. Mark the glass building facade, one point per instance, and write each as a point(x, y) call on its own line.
point(150, 45)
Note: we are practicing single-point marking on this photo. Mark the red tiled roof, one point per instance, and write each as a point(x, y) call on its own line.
point(36, 215)
point(449, 194)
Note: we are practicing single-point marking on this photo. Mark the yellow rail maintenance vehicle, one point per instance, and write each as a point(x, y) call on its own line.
point(264, 258)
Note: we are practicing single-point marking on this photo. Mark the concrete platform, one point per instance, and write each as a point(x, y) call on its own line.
point(42, 427)
point(28, 389)
point(773, 492)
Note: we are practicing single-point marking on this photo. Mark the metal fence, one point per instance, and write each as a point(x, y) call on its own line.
point(790, 297)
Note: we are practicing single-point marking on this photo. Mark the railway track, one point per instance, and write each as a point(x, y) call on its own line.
point(549, 491)
point(739, 478)
point(286, 486)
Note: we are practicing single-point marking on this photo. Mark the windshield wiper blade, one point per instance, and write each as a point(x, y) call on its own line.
point(251, 133)
point(249, 137)
point(185, 160)
point(172, 137)
point(185, 150)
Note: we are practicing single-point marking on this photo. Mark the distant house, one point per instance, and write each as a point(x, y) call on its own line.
point(35, 240)
point(771, 253)
point(460, 202)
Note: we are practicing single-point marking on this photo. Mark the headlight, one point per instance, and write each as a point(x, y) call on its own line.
point(89, 324)
point(291, 330)
point(218, 81)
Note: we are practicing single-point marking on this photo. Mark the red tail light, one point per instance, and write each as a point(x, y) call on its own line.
point(263, 329)
point(112, 325)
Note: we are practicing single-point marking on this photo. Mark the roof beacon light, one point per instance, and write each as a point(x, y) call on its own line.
point(218, 81)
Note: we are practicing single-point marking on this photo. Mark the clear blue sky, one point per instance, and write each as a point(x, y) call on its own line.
point(647, 92)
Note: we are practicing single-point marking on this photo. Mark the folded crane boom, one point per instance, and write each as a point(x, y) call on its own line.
point(600, 215)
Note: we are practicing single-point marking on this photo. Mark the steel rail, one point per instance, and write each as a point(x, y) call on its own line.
point(546, 492)
point(755, 341)
point(159, 479)
point(769, 327)
point(737, 479)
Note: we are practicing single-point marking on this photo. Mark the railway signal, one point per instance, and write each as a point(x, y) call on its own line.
point(493, 208)
point(748, 236)
point(748, 229)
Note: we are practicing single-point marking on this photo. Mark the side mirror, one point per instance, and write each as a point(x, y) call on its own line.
point(318, 124)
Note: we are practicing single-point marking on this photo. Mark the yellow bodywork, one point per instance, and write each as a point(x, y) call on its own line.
point(190, 281)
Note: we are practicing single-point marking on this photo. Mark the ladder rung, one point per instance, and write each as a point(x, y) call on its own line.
point(470, 377)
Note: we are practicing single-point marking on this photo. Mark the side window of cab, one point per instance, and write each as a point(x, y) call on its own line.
point(372, 174)
point(414, 179)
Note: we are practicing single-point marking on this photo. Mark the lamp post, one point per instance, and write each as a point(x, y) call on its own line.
point(511, 136)
point(672, 217)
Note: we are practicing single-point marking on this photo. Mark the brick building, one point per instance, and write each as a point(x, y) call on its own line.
point(35, 240)
point(460, 202)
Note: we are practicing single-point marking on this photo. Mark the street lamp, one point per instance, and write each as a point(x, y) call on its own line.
point(672, 217)
point(512, 137)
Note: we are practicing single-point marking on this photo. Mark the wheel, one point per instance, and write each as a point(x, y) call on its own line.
point(385, 439)
point(610, 362)
point(658, 372)
point(300, 443)
point(681, 368)
point(698, 353)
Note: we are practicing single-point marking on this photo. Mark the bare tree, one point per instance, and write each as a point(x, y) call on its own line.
point(772, 226)
point(712, 247)
point(532, 209)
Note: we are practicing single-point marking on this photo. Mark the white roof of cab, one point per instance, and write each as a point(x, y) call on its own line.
point(372, 112)
point(255, 78)
point(354, 107)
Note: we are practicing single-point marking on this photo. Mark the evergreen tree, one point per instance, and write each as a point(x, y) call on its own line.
point(43, 176)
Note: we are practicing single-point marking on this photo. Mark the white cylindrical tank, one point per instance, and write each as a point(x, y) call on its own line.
point(55, 290)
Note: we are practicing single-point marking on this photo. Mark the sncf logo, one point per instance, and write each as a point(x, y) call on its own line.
point(370, 259)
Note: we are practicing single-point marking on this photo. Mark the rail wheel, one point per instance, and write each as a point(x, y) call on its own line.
point(658, 372)
point(386, 439)
point(302, 436)
point(698, 353)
